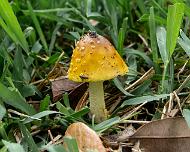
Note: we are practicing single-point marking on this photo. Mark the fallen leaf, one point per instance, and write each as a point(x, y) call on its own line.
point(82, 102)
point(61, 85)
point(77, 93)
point(167, 135)
point(87, 139)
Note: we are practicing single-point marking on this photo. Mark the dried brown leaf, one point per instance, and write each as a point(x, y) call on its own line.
point(167, 135)
point(86, 138)
point(61, 85)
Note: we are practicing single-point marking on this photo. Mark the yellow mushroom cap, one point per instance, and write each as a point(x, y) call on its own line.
point(95, 59)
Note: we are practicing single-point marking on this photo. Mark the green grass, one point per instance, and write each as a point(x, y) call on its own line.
point(33, 37)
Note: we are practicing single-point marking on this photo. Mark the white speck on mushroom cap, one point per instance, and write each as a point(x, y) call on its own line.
point(82, 48)
point(78, 60)
point(92, 46)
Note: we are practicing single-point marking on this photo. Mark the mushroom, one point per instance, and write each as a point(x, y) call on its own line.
point(86, 138)
point(95, 60)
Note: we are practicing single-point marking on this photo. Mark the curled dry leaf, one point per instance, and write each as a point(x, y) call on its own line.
point(77, 93)
point(167, 135)
point(86, 138)
point(61, 85)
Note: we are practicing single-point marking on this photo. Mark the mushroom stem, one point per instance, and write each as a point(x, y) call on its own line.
point(97, 103)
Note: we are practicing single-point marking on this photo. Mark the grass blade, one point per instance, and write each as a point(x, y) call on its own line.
point(174, 19)
point(55, 148)
point(53, 38)
point(171, 76)
point(9, 32)
point(3, 133)
point(186, 114)
point(158, 19)
point(88, 7)
point(38, 116)
point(106, 124)
point(118, 84)
point(71, 144)
point(3, 149)
point(139, 100)
point(121, 37)
point(114, 21)
point(142, 89)
point(80, 113)
point(152, 26)
point(38, 28)
point(77, 12)
point(159, 7)
point(141, 6)
point(141, 54)
point(13, 98)
point(62, 109)
point(13, 147)
point(44, 104)
point(184, 42)
point(12, 25)
point(2, 111)
point(161, 40)
point(27, 137)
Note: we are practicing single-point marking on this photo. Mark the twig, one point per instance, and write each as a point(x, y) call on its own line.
point(178, 101)
point(181, 70)
point(135, 121)
point(183, 85)
point(176, 92)
point(168, 107)
point(51, 72)
point(127, 116)
point(33, 102)
point(51, 136)
point(17, 113)
point(36, 82)
point(35, 132)
point(130, 45)
point(114, 105)
point(82, 102)
point(144, 77)
point(56, 140)
point(21, 114)
point(144, 41)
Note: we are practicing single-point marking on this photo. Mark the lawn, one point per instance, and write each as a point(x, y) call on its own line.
point(51, 77)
